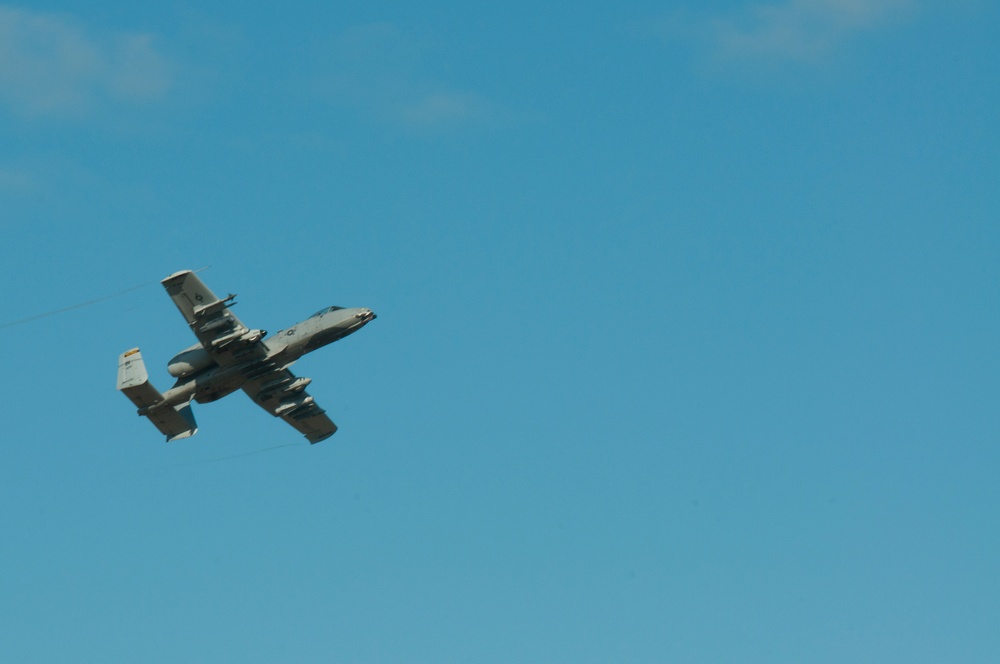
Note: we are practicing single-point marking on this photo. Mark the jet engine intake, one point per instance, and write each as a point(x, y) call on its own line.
point(190, 361)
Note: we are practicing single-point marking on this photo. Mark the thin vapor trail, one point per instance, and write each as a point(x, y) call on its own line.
point(74, 306)
point(81, 305)
point(188, 464)
point(237, 456)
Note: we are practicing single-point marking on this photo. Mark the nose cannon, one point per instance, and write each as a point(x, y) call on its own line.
point(365, 315)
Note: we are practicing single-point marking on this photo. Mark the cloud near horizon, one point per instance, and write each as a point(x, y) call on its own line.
point(50, 65)
point(375, 69)
point(789, 30)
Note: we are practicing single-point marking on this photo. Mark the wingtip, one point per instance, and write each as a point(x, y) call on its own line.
point(176, 275)
point(313, 441)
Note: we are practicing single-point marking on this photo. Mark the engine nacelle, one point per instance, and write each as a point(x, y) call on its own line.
point(190, 361)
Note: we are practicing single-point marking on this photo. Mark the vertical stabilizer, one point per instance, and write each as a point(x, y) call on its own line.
point(175, 422)
point(134, 381)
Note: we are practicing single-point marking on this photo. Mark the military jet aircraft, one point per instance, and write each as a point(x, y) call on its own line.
point(229, 356)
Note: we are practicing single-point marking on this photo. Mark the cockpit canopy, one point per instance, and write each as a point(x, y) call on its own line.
point(325, 311)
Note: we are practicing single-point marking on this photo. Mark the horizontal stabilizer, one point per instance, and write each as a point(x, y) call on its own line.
point(175, 422)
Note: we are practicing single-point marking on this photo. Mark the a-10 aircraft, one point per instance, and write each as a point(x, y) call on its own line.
point(229, 356)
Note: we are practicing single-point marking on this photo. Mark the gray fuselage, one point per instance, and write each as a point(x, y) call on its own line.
point(201, 379)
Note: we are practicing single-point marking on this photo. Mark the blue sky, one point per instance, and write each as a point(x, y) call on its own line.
point(686, 348)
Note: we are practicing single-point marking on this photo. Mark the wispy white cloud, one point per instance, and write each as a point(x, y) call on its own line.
point(791, 29)
point(378, 70)
point(445, 107)
point(51, 65)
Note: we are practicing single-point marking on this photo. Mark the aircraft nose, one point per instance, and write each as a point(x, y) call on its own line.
point(366, 315)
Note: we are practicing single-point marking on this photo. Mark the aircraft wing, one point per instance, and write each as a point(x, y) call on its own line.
point(283, 395)
point(220, 332)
